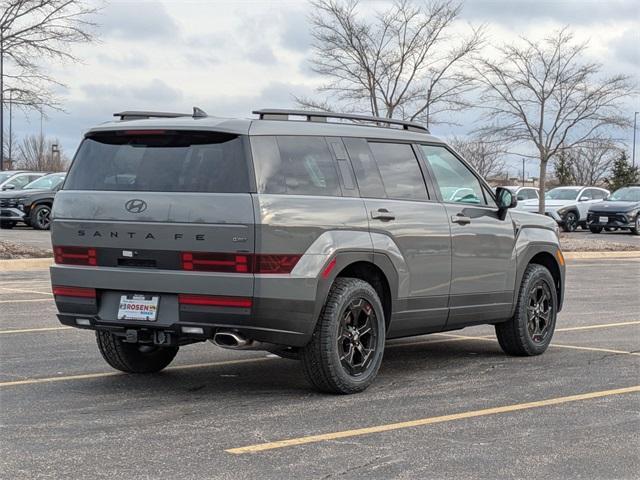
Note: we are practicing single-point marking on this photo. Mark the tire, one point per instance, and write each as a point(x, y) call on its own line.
point(41, 217)
point(333, 361)
point(570, 223)
point(636, 229)
point(516, 336)
point(7, 225)
point(132, 357)
point(595, 229)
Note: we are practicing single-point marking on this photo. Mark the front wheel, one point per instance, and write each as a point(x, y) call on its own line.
point(570, 222)
point(345, 351)
point(636, 229)
point(593, 229)
point(133, 357)
point(530, 330)
point(41, 217)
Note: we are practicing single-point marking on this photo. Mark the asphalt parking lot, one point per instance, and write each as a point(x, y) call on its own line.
point(449, 405)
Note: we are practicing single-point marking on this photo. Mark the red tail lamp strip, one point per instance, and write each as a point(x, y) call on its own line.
point(80, 292)
point(75, 255)
point(239, 263)
point(329, 268)
point(215, 301)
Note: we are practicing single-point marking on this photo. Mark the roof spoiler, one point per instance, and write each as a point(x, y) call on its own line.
point(143, 115)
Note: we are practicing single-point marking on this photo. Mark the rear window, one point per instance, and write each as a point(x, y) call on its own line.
point(160, 162)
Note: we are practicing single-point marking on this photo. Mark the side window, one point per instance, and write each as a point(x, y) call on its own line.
point(295, 165)
point(365, 168)
point(597, 194)
point(456, 182)
point(20, 181)
point(586, 194)
point(399, 170)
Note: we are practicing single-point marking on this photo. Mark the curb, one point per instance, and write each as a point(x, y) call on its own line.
point(601, 255)
point(25, 264)
point(44, 263)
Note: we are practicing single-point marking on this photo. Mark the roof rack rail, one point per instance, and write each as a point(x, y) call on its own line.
point(141, 115)
point(317, 116)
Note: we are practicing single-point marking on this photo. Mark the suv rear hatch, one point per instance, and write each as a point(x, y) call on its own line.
point(167, 212)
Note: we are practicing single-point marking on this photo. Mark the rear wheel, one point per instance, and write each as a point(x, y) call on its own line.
point(133, 357)
point(346, 349)
point(570, 222)
point(41, 217)
point(593, 229)
point(530, 330)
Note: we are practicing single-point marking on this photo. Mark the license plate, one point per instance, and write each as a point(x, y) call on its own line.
point(604, 219)
point(138, 307)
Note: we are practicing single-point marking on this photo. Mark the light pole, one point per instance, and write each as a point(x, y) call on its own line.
point(523, 174)
point(635, 123)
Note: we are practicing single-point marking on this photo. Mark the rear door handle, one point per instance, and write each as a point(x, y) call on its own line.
point(382, 214)
point(460, 219)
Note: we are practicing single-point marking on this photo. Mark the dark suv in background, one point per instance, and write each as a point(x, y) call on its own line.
point(32, 204)
point(316, 239)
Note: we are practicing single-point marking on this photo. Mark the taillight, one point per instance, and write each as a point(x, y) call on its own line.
point(214, 301)
point(80, 292)
point(275, 263)
point(216, 262)
point(75, 255)
point(238, 262)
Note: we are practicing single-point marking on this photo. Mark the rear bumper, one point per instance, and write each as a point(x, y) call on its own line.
point(287, 318)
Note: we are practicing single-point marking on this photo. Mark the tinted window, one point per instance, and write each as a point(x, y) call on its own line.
point(365, 167)
point(399, 170)
point(295, 165)
point(527, 194)
point(48, 182)
point(597, 194)
point(456, 182)
point(19, 181)
point(160, 162)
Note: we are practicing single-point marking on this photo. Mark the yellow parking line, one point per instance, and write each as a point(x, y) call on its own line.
point(430, 421)
point(21, 290)
point(27, 300)
point(34, 381)
point(31, 330)
point(601, 325)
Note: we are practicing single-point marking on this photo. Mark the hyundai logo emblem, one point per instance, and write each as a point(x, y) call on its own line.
point(136, 205)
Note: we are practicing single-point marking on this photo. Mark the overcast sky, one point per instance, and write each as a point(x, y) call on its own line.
point(231, 56)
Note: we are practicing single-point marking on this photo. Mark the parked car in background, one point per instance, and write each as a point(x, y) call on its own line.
point(568, 205)
point(31, 205)
point(620, 211)
point(17, 179)
point(524, 193)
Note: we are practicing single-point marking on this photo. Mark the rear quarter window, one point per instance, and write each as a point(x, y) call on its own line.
point(295, 165)
point(160, 162)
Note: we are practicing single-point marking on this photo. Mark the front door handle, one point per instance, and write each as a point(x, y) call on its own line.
point(382, 214)
point(460, 219)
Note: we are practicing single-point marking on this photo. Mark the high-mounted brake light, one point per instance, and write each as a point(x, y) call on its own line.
point(214, 301)
point(238, 262)
point(144, 132)
point(75, 255)
point(80, 292)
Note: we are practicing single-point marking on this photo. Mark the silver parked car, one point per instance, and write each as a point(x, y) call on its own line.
point(316, 239)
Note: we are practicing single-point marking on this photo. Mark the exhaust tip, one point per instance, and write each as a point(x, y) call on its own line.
point(228, 340)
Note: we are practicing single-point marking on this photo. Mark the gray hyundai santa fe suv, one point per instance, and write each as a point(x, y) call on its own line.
point(312, 235)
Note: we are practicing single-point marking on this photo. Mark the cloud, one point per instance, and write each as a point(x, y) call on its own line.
point(626, 48)
point(125, 60)
point(137, 21)
point(155, 92)
point(296, 32)
point(566, 12)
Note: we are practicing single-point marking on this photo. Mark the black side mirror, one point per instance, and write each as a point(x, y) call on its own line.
point(506, 198)
point(11, 186)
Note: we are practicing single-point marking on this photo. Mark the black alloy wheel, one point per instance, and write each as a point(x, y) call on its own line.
point(539, 312)
point(570, 222)
point(357, 337)
point(41, 217)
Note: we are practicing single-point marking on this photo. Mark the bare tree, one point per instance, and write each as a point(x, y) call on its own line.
point(32, 31)
point(543, 94)
point(41, 154)
point(485, 155)
point(590, 163)
point(403, 62)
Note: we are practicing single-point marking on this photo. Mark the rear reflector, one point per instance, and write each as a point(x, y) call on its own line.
point(214, 301)
point(75, 255)
point(238, 262)
point(193, 330)
point(80, 292)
